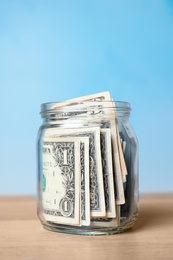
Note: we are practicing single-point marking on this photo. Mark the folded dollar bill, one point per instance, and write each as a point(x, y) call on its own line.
point(84, 170)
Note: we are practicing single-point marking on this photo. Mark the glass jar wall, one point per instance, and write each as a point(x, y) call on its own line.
point(83, 185)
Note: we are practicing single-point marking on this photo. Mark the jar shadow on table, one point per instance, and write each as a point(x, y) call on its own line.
point(154, 210)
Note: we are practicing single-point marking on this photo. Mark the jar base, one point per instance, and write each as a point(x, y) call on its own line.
point(92, 231)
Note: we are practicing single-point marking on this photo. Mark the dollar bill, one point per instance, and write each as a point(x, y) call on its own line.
point(85, 192)
point(118, 182)
point(97, 197)
point(78, 102)
point(121, 155)
point(61, 180)
point(106, 153)
point(98, 111)
point(107, 222)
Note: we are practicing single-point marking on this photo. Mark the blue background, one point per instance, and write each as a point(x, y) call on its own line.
point(57, 50)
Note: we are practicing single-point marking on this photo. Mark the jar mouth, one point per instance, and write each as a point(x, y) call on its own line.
point(82, 108)
point(114, 104)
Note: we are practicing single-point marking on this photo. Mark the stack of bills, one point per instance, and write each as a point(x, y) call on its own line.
point(83, 166)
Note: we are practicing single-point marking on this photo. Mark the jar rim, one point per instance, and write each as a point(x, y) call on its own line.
point(76, 105)
point(82, 108)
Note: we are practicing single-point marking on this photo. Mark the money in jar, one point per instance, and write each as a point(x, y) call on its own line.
point(87, 166)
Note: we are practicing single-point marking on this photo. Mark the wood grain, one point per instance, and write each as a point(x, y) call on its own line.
point(23, 237)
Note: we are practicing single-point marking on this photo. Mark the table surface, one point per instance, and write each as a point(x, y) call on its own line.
point(23, 237)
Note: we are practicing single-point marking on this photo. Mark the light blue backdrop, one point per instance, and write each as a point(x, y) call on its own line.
point(56, 50)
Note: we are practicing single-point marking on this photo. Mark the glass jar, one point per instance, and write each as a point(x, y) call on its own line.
point(82, 188)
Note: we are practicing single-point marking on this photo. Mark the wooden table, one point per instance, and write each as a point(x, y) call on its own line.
point(23, 237)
